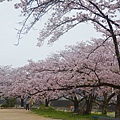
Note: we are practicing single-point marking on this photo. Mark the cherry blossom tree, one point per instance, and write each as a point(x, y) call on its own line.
point(81, 66)
point(72, 69)
point(5, 73)
point(105, 98)
point(66, 14)
point(104, 59)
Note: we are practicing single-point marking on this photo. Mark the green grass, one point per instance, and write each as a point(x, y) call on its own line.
point(52, 113)
point(55, 114)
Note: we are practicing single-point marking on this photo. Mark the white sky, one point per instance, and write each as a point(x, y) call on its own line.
point(17, 56)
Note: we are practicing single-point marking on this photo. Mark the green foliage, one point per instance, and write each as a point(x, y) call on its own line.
point(4, 105)
point(52, 113)
point(10, 102)
point(42, 107)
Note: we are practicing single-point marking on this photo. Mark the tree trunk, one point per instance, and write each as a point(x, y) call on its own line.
point(22, 102)
point(89, 102)
point(105, 104)
point(76, 105)
point(104, 109)
point(88, 107)
point(117, 110)
point(117, 52)
point(46, 102)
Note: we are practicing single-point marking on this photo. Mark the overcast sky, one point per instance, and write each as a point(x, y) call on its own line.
point(17, 56)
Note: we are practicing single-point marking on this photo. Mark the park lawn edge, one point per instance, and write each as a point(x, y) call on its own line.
point(55, 114)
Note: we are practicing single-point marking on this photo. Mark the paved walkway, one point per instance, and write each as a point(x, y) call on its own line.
point(20, 114)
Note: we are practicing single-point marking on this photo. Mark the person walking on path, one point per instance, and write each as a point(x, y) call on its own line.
point(27, 104)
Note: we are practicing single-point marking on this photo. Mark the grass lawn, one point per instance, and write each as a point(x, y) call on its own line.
point(52, 113)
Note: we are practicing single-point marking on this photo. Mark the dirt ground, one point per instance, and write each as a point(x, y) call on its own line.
point(20, 114)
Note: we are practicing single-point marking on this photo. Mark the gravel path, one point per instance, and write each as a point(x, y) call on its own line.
point(20, 114)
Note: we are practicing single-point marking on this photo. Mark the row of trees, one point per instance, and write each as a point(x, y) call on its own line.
point(83, 69)
point(84, 73)
point(66, 14)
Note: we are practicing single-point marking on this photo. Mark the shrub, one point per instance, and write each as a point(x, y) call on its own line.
point(10, 102)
